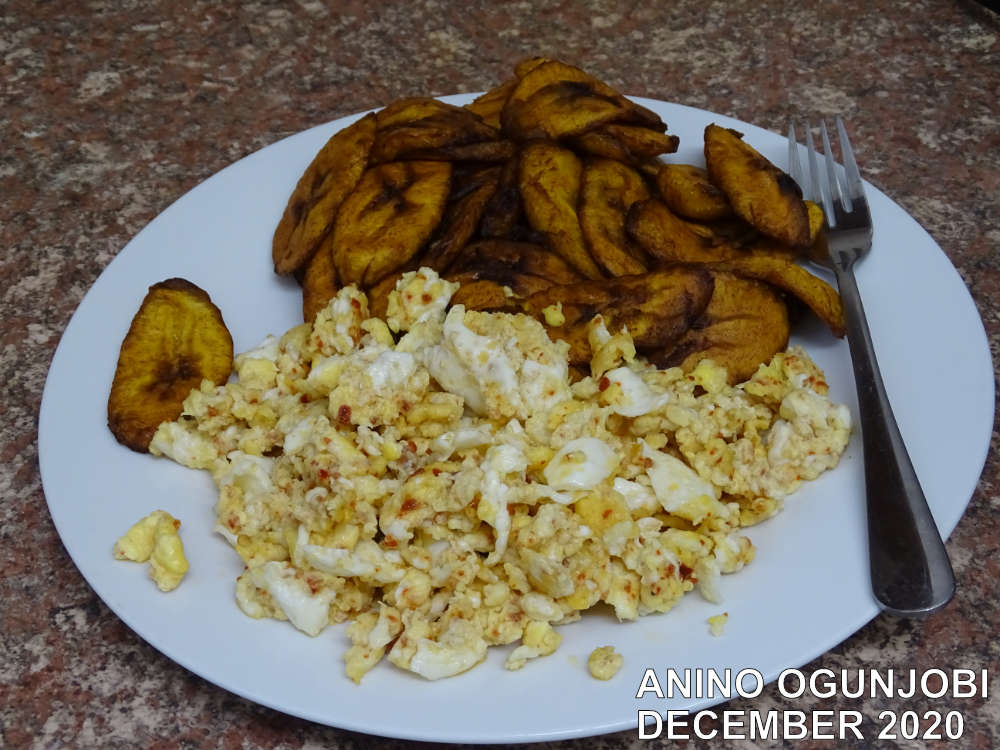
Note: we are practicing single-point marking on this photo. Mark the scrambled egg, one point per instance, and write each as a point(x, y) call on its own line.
point(717, 623)
point(154, 539)
point(604, 662)
point(437, 481)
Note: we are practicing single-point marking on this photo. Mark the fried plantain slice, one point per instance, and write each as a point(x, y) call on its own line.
point(782, 273)
point(319, 283)
point(732, 232)
point(743, 326)
point(669, 239)
point(550, 190)
point(556, 100)
point(604, 145)
point(521, 267)
point(599, 142)
point(657, 307)
point(460, 221)
point(489, 151)
point(412, 109)
point(489, 105)
point(758, 191)
point(503, 211)
point(411, 127)
point(388, 218)
point(609, 188)
point(312, 208)
point(689, 193)
point(481, 294)
point(176, 339)
point(642, 142)
point(495, 259)
point(528, 64)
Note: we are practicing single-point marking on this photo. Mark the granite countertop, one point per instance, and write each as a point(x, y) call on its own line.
point(112, 110)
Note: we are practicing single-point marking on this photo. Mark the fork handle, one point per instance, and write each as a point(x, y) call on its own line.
point(910, 571)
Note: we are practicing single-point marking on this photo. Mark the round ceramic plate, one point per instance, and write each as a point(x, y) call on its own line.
point(807, 590)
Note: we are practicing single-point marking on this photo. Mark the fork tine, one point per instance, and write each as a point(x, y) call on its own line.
point(794, 164)
point(837, 187)
point(855, 189)
point(818, 193)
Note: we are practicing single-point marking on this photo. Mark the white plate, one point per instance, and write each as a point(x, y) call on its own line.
point(807, 590)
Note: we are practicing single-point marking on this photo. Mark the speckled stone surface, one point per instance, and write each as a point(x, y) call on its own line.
point(109, 111)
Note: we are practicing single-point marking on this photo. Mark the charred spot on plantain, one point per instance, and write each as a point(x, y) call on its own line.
point(787, 185)
point(168, 373)
point(393, 193)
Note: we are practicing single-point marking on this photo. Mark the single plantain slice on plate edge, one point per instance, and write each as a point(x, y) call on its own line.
point(312, 208)
point(176, 340)
point(758, 191)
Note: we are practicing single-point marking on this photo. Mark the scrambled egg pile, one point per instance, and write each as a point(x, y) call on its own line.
point(436, 479)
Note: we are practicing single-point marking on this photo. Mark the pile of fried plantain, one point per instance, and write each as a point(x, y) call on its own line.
point(551, 188)
point(177, 339)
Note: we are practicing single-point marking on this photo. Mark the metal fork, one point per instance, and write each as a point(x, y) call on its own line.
point(910, 570)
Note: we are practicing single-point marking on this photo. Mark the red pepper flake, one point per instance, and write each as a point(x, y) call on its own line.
point(604, 384)
point(344, 414)
point(323, 474)
point(436, 472)
point(686, 571)
point(304, 399)
point(390, 541)
point(606, 513)
point(426, 298)
point(412, 446)
point(408, 505)
point(355, 303)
